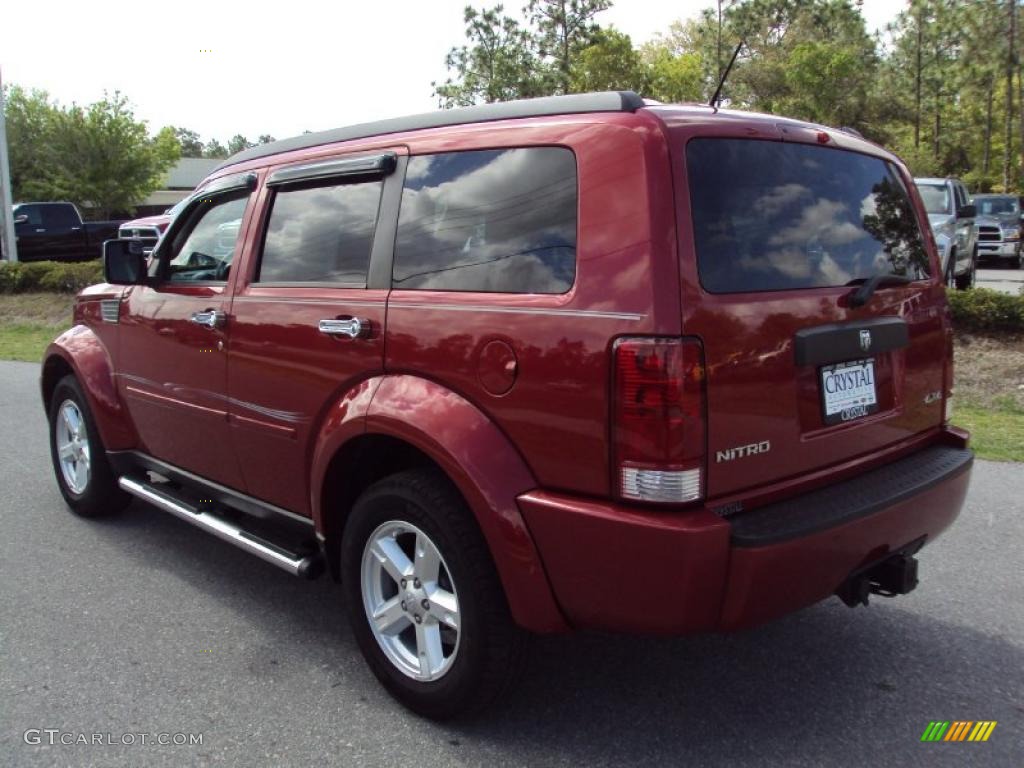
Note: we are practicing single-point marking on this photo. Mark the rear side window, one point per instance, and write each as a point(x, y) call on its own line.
point(771, 216)
point(321, 234)
point(60, 217)
point(493, 220)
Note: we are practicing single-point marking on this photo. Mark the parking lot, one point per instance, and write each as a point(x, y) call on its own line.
point(142, 624)
point(1000, 279)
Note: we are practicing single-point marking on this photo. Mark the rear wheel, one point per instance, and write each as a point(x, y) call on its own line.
point(84, 476)
point(424, 599)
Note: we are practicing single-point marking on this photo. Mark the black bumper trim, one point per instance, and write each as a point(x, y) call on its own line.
point(850, 499)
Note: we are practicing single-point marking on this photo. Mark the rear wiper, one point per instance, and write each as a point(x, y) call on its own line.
point(860, 297)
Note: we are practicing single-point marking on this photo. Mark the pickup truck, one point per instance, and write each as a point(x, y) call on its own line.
point(56, 232)
point(999, 225)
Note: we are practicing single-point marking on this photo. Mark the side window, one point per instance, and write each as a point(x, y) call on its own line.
point(204, 248)
point(321, 234)
point(493, 220)
point(59, 217)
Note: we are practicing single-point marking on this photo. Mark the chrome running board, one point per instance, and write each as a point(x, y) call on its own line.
point(306, 566)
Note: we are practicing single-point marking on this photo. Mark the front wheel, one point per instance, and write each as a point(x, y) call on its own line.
point(423, 597)
point(966, 280)
point(84, 476)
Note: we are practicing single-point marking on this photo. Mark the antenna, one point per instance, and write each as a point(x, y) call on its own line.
point(721, 83)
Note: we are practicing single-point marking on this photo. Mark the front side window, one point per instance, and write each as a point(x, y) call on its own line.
point(493, 220)
point(321, 234)
point(205, 247)
point(771, 216)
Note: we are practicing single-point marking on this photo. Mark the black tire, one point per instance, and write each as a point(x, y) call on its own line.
point(491, 648)
point(950, 271)
point(966, 281)
point(100, 495)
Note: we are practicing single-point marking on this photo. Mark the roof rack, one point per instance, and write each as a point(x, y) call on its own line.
point(570, 104)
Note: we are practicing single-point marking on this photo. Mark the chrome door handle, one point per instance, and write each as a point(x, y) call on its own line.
point(349, 327)
point(211, 318)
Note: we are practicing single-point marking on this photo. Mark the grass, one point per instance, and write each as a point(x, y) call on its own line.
point(989, 370)
point(30, 321)
point(995, 434)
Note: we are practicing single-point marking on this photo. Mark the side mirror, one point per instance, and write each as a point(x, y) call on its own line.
point(21, 218)
point(967, 212)
point(123, 262)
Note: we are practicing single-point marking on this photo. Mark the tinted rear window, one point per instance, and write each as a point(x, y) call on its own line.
point(771, 216)
point(492, 220)
point(935, 197)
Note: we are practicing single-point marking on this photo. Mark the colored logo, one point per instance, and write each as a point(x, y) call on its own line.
point(958, 730)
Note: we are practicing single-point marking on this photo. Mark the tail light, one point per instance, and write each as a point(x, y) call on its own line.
point(658, 434)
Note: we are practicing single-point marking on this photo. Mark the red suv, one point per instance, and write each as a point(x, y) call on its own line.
point(573, 362)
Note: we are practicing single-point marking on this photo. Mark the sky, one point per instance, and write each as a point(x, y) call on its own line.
point(223, 67)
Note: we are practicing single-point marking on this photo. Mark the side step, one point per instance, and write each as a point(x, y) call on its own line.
point(305, 565)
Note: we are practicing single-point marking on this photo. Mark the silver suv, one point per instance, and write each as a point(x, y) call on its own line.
point(951, 216)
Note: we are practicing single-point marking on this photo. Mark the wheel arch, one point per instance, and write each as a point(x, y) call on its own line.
point(412, 422)
point(79, 352)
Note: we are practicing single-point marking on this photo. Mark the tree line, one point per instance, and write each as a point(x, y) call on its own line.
point(98, 156)
point(941, 85)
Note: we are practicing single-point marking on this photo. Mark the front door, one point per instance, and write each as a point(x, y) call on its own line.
point(307, 317)
point(173, 358)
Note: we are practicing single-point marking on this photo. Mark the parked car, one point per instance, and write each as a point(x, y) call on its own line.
point(952, 220)
point(999, 226)
point(148, 229)
point(578, 362)
point(56, 232)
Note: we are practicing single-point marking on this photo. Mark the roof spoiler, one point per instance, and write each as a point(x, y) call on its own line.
point(570, 104)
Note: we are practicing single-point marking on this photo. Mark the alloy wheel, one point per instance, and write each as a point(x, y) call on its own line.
point(72, 446)
point(410, 600)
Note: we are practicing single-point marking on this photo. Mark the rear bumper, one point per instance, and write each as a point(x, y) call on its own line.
point(627, 569)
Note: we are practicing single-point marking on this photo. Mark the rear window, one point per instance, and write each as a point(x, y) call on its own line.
point(501, 220)
point(770, 216)
point(935, 197)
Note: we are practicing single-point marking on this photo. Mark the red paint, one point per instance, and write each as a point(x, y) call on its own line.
point(510, 395)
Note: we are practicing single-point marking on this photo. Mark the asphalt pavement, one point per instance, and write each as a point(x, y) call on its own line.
point(144, 625)
point(1000, 279)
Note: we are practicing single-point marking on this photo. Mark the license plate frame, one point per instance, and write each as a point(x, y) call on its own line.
point(857, 400)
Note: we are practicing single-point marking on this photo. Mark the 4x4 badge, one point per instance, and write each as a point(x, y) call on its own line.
point(865, 340)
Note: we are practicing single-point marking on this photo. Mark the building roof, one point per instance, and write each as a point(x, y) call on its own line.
point(189, 171)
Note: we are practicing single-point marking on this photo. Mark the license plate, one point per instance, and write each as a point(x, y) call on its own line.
point(848, 391)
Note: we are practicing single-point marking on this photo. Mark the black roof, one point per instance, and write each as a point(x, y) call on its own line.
point(575, 103)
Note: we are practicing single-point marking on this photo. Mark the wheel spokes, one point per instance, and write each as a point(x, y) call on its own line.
point(392, 559)
point(428, 560)
point(444, 607)
point(428, 648)
point(390, 618)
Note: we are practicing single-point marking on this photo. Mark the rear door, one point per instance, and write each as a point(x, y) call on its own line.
point(307, 322)
point(775, 236)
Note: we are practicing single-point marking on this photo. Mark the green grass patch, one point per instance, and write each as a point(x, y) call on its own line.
point(30, 321)
point(26, 341)
point(996, 433)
